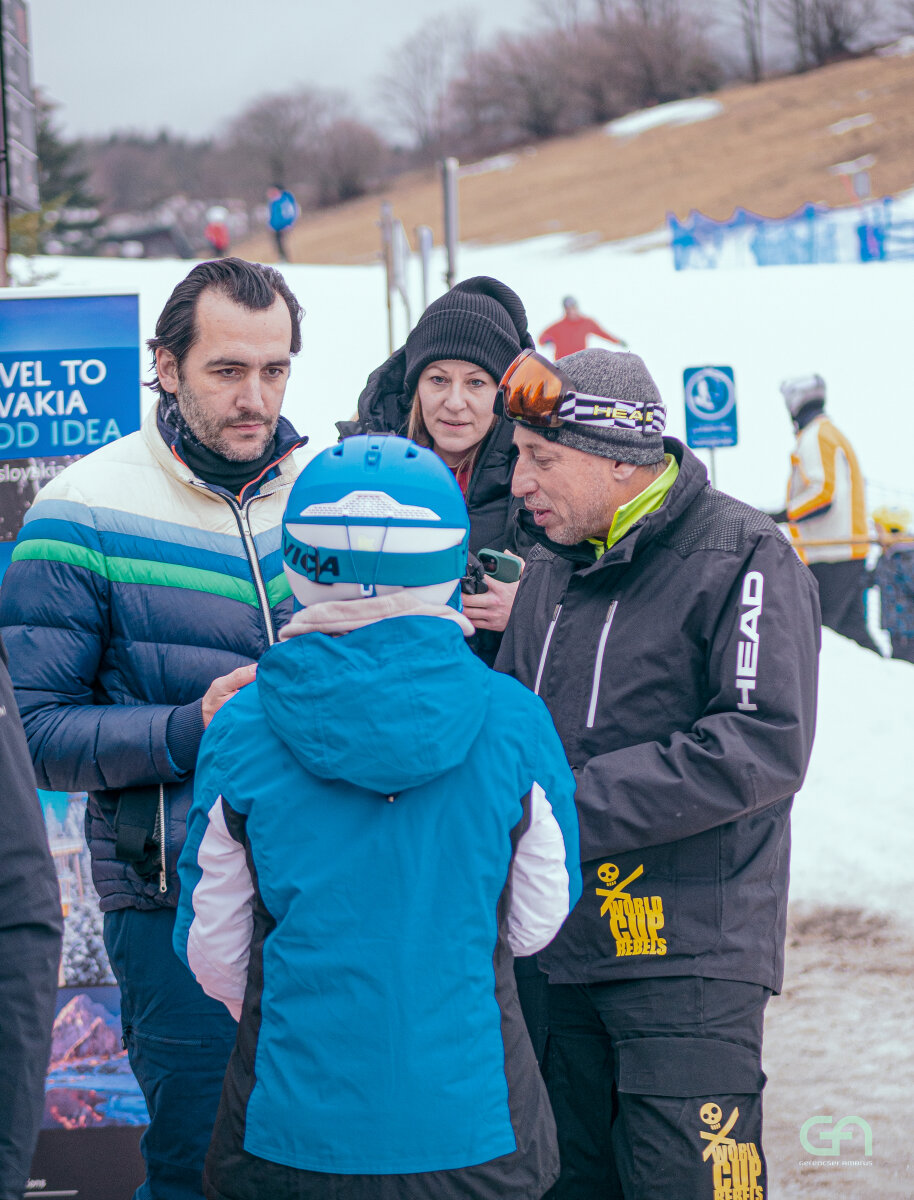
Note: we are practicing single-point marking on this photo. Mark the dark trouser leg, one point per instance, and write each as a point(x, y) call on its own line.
point(578, 1068)
point(684, 1058)
point(533, 994)
point(178, 1042)
point(841, 595)
point(280, 245)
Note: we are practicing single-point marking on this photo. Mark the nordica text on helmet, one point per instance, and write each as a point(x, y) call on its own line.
point(308, 559)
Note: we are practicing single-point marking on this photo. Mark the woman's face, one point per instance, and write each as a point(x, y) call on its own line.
point(456, 399)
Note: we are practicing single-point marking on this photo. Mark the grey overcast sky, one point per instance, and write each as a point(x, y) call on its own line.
point(188, 65)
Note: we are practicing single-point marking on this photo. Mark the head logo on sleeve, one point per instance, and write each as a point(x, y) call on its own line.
point(748, 645)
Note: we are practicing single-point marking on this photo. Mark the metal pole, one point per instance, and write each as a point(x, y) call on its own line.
point(387, 226)
point(424, 239)
point(885, 539)
point(4, 203)
point(449, 184)
point(713, 469)
point(4, 240)
point(399, 260)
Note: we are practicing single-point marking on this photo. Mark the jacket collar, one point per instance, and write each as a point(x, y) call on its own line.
point(690, 482)
point(164, 443)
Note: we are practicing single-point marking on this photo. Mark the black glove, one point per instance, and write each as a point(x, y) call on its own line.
point(474, 582)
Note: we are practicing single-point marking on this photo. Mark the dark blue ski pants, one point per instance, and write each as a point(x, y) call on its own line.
point(178, 1042)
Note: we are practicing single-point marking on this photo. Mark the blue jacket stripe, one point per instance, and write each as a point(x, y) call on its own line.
point(143, 549)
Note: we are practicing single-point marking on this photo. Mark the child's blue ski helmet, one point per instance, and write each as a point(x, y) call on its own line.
point(373, 515)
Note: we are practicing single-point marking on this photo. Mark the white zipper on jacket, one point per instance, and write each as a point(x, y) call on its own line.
point(163, 875)
point(260, 586)
point(545, 651)
point(250, 549)
point(598, 666)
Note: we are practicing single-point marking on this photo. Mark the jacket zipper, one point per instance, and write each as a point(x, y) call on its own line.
point(247, 535)
point(247, 539)
point(545, 651)
point(160, 818)
point(598, 666)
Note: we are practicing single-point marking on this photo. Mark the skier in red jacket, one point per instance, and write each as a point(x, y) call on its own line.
point(570, 334)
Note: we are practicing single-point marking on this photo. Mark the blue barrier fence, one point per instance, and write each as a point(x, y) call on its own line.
point(870, 232)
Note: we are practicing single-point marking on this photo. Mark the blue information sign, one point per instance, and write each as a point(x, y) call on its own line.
point(710, 407)
point(69, 383)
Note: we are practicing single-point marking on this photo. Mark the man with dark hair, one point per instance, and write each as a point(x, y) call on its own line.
point(673, 634)
point(145, 584)
point(30, 931)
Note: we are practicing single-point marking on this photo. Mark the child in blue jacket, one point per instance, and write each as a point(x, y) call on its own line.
point(380, 824)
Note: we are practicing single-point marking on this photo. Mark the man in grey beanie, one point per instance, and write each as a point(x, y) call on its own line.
point(674, 636)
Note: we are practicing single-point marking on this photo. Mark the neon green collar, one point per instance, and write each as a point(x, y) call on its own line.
point(645, 502)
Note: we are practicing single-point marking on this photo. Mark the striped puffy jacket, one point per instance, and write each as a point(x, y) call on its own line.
point(133, 586)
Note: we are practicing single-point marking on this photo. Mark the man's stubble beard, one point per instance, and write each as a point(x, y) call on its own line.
point(589, 519)
point(209, 430)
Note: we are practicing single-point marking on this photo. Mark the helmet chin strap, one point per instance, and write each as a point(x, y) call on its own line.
point(370, 589)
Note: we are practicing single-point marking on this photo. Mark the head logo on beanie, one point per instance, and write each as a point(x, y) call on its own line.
point(375, 515)
point(619, 377)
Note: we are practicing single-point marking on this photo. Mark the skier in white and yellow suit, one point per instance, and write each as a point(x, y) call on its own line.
point(826, 502)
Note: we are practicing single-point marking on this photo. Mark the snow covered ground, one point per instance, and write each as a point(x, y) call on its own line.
point(853, 831)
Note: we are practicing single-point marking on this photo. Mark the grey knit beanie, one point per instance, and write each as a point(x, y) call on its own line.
point(614, 376)
point(479, 321)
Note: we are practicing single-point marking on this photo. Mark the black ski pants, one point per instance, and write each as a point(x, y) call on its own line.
point(656, 1085)
point(841, 596)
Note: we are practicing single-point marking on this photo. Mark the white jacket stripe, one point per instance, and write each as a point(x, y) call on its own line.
point(218, 942)
point(539, 880)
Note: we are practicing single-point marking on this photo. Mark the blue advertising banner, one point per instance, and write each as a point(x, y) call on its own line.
point(69, 383)
point(710, 407)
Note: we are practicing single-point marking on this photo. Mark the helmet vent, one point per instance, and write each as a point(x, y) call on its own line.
point(370, 504)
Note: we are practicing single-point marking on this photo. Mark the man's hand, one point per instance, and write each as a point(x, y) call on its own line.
point(491, 609)
point(223, 688)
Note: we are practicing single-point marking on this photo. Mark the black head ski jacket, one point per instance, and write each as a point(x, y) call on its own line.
point(680, 670)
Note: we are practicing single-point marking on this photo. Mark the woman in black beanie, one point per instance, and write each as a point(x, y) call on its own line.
point(439, 389)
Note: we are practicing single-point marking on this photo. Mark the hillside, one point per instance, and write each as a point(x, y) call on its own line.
point(768, 151)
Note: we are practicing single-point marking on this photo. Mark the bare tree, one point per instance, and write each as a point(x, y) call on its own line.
point(414, 89)
point(823, 30)
point(518, 90)
point(750, 15)
point(905, 16)
point(348, 162)
point(667, 52)
point(273, 135)
point(565, 16)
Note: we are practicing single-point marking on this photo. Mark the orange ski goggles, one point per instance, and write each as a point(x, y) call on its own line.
point(537, 392)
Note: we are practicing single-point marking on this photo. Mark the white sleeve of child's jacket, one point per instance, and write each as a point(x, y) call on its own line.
point(219, 939)
point(540, 886)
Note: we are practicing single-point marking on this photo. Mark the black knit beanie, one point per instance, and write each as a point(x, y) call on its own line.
point(480, 321)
